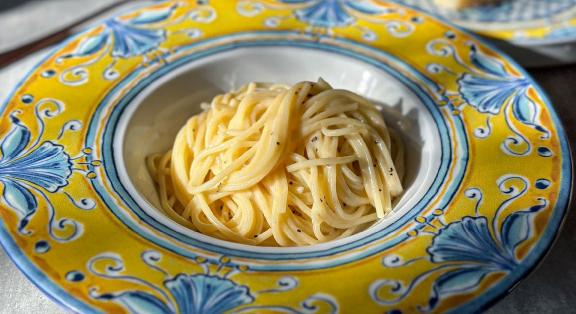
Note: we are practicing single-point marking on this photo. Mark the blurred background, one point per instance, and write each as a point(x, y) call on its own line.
point(22, 21)
point(550, 289)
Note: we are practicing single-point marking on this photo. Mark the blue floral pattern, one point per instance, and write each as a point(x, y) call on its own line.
point(470, 240)
point(207, 292)
point(192, 293)
point(332, 13)
point(121, 38)
point(128, 38)
point(323, 16)
point(468, 250)
point(30, 169)
point(24, 169)
point(490, 88)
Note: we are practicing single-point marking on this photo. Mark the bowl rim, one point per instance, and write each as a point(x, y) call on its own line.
point(118, 128)
point(487, 298)
point(492, 33)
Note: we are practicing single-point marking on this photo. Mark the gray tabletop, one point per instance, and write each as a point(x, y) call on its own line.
point(551, 288)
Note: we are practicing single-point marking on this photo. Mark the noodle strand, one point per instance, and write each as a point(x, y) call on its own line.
point(274, 165)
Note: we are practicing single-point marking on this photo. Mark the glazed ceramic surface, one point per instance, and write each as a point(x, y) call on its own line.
point(487, 189)
point(526, 22)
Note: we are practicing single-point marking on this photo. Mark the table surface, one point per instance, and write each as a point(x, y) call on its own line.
point(551, 288)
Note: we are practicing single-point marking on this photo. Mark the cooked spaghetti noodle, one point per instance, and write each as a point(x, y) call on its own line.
point(281, 166)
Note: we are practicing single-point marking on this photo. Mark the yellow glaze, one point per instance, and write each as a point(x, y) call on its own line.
point(496, 210)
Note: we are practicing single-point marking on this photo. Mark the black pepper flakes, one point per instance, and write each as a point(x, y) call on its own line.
point(314, 139)
point(379, 190)
point(298, 230)
point(277, 143)
point(290, 182)
point(255, 235)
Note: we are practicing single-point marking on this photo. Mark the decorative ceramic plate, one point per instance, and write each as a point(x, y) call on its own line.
point(488, 183)
point(525, 22)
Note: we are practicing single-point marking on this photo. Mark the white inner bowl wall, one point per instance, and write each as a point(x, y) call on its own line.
point(151, 121)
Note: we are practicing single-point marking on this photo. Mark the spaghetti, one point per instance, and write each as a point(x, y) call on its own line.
point(275, 165)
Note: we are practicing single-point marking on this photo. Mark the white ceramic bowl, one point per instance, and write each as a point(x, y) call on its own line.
point(150, 123)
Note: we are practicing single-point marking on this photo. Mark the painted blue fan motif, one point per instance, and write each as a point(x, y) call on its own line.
point(212, 291)
point(465, 252)
point(332, 13)
point(470, 243)
point(128, 38)
point(489, 87)
point(192, 294)
point(24, 169)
